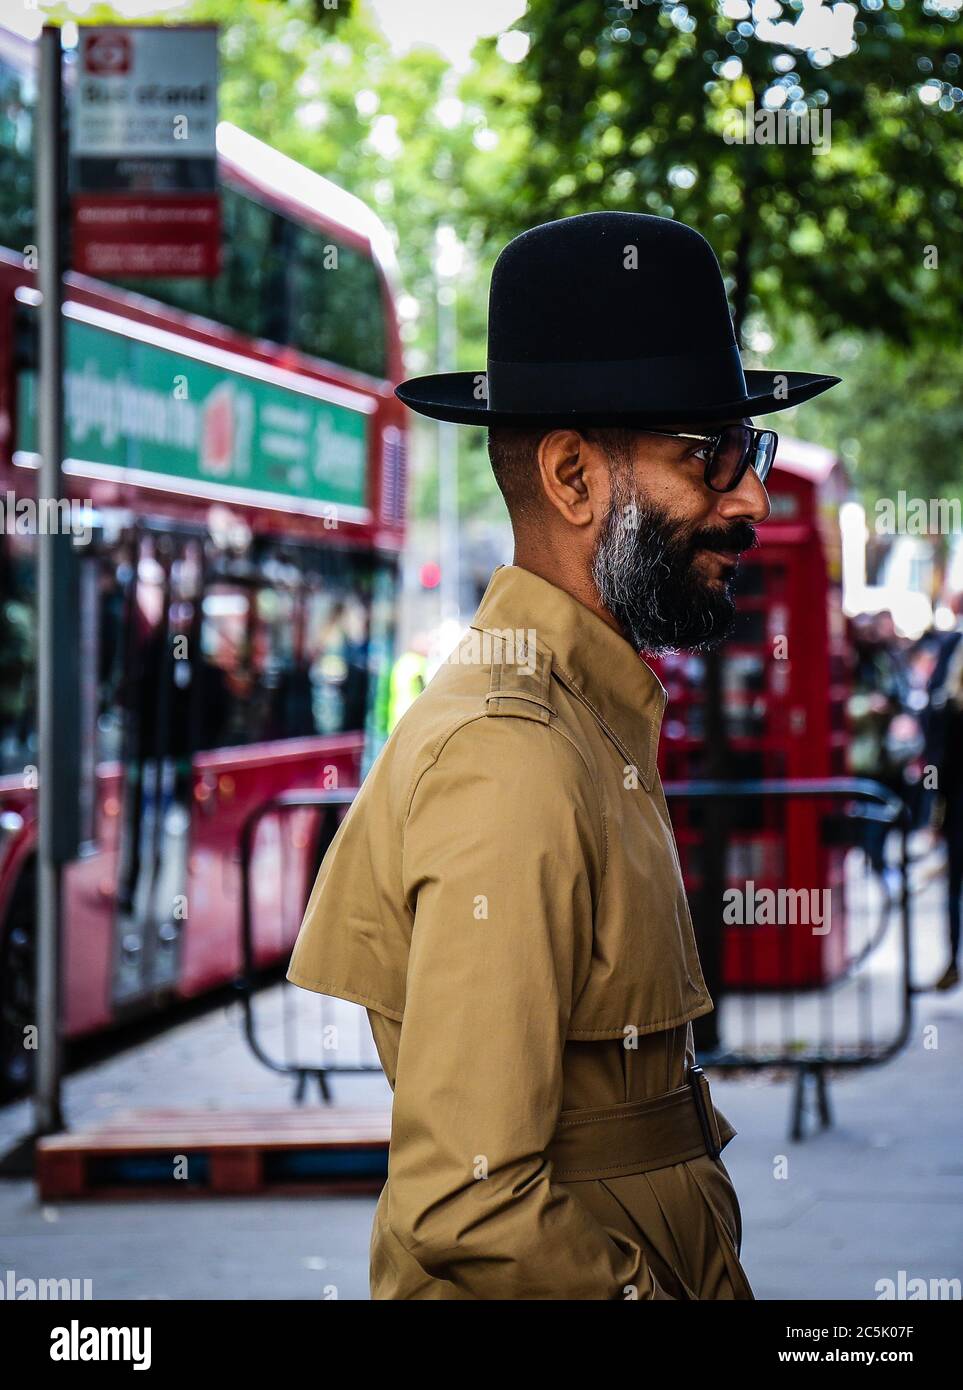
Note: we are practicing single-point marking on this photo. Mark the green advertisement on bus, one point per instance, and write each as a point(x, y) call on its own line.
point(135, 406)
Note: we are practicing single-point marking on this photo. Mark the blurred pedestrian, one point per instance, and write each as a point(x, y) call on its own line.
point(945, 753)
point(885, 732)
point(409, 676)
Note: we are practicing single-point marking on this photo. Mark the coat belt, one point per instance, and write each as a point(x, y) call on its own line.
point(639, 1135)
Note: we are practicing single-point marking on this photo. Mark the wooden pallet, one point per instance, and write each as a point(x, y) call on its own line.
point(174, 1153)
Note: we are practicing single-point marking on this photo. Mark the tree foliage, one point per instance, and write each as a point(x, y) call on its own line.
point(845, 260)
point(628, 107)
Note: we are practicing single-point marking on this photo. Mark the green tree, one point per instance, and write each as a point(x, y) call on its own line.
point(897, 420)
point(626, 106)
point(629, 106)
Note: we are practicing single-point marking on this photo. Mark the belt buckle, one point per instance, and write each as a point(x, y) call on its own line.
point(699, 1083)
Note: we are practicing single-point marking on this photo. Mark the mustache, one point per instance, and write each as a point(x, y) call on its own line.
point(741, 535)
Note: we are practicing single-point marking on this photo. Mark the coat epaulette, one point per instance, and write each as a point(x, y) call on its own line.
point(521, 681)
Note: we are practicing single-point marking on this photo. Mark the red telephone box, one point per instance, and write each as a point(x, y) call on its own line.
point(785, 674)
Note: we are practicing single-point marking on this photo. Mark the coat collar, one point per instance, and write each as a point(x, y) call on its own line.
point(599, 666)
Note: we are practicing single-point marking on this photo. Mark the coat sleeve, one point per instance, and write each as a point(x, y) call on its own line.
point(503, 855)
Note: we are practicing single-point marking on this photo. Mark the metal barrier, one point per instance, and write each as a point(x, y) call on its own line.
point(810, 996)
point(277, 1020)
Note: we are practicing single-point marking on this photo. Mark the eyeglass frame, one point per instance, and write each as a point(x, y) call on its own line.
point(714, 440)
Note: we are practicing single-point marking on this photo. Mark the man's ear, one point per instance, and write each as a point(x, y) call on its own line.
point(572, 475)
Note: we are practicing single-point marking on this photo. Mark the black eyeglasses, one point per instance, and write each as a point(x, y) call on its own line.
point(730, 452)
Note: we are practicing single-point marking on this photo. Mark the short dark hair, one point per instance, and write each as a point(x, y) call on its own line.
point(513, 451)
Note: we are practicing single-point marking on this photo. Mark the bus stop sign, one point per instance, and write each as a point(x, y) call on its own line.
point(143, 152)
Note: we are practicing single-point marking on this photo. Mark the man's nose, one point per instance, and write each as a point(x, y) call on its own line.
point(749, 500)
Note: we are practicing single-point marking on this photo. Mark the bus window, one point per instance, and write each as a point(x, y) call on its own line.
point(286, 657)
point(17, 653)
point(229, 692)
point(17, 95)
point(337, 644)
point(284, 674)
point(116, 583)
point(240, 296)
point(336, 303)
point(287, 283)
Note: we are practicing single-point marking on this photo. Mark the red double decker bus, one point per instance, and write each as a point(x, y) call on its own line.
point(235, 458)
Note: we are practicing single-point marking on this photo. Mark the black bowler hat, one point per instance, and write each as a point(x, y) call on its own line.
point(608, 317)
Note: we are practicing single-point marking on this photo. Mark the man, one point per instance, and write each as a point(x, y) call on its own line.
point(504, 897)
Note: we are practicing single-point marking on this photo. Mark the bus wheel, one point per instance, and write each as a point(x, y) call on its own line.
point(17, 980)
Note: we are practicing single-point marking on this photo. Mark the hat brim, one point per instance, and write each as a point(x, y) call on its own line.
point(451, 396)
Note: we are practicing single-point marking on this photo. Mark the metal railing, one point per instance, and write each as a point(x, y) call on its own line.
point(277, 1022)
point(809, 997)
point(806, 997)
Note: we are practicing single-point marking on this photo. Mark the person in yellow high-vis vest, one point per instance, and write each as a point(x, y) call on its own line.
point(409, 676)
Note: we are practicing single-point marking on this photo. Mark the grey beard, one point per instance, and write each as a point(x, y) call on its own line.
point(644, 574)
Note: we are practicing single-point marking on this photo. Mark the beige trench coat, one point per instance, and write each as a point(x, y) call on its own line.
point(504, 897)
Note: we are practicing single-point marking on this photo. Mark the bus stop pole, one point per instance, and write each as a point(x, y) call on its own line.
point(48, 199)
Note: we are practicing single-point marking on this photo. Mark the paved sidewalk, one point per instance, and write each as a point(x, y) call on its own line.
point(880, 1192)
point(196, 1248)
